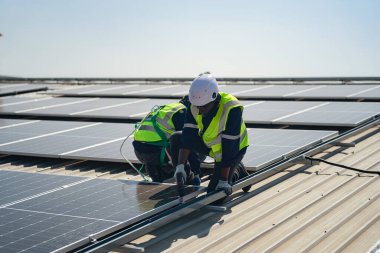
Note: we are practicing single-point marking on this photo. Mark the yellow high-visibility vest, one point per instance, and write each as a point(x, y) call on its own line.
point(162, 118)
point(212, 136)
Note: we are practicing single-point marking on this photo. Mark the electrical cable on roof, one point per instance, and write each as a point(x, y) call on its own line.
point(130, 163)
point(342, 166)
point(146, 178)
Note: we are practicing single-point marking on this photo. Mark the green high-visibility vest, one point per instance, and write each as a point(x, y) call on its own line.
point(158, 125)
point(212, 136)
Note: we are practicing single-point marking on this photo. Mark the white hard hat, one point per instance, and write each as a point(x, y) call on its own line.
point(203, 90)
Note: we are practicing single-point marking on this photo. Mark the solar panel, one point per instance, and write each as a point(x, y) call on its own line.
point(32, 232)
point(341, 92)
point(334, 91)
point(47, 103)
point(15, 185)
point(91, 107)
point(101, 141)
point(334, 114)
point(125, 90)
point(347, 114)
point(72, 216)
point(11, 89)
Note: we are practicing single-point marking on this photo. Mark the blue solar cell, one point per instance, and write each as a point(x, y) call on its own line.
point(71, 215)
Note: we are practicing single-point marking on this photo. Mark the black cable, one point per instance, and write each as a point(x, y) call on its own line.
point(342, 166)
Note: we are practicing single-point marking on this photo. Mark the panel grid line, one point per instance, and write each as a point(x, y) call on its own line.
point(363, 91)
point(44, 193)
point(92, 146)
point(253, 89)
point(20, 124)
point(59, 214)
point(25, 102)
point(302, 91)
point(58, 105)
point(302, 111)
point(110, 106)
point(106, 89)
point(151, 89)
point(50, 134)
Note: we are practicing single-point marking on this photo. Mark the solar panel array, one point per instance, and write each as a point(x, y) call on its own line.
point(317, 113)
point(341, 92)
point(75, 210)
point(44, 213)
point(101, 141)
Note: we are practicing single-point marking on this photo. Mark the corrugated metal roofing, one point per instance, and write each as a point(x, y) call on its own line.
point(319, 209)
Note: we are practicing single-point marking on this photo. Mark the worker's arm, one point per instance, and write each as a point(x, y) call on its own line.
point(189, 132)
point(179, 119)
point(225, 171)
point(230, 141)
point(230, 148)
point(183, 155)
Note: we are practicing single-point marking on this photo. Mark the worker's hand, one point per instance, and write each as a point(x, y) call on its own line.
point(224, 185)
point(180, 169)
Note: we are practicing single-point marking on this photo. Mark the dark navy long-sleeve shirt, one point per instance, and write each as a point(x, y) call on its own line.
point(230, 148)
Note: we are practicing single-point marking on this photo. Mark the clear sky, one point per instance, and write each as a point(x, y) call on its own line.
point(178, 38)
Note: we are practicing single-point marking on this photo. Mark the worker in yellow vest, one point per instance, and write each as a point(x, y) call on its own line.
point(214, 126)
point(152, 141)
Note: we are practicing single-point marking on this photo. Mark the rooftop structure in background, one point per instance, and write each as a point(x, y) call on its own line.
point(252, 80)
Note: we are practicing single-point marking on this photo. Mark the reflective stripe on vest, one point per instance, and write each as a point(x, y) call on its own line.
point(146, 131)
point(212, 136)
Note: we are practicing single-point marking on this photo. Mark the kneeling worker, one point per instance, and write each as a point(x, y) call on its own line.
point(214, 126)
point(151, 140)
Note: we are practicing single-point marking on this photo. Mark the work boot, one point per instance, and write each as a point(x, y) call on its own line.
point(196, 180)
point(190, 178)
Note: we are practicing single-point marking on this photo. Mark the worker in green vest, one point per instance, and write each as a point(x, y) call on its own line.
point(152, 141)
point(214, 126)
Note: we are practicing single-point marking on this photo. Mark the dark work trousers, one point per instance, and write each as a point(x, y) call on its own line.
point(151, 160)
point(194, 158)
point(203, 150)
point(233, 175)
